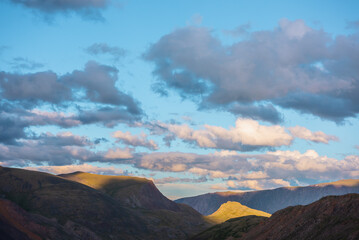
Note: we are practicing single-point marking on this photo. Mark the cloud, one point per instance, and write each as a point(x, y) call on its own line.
point(11, 129)
point(219, 186)
point(88, 9)
point(247, 135)
point(196, 163)
point(253, 171)
point(319, 137)
point(15, 121)
point(240, 31)
point(257, 112)
point(104, 49)
point(119, 153)
point(96, 81)
point(80, 167)
point(108, 116)
point(25, 64)
point(257, 184)
point(240, 171)
point(133, 140)
point(63, 139)
point(327, 107)
point(167, 180)
point(40, 152)
point(281, 66)
point(25, 96)
point(34, 88)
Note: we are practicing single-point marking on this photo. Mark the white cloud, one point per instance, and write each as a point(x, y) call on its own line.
point(258, 184)
point(304, 133)
point(118, 153)
point(246, 135)
point(254, 171)
point(135, 140)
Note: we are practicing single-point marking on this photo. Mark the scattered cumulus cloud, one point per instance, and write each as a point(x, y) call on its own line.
point(135, 140)
point(278, 66)
point(24, 98)
point(246, 135)
point(253, 171)
point(80, 167)
point(97, 81)
point(257, 184)
point(304, 133)
point(119, 153)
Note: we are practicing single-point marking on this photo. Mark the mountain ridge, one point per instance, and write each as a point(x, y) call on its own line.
point(79, 210)
point(271, 200)
point(133, 191)
point(330, 218)
point(231, 209)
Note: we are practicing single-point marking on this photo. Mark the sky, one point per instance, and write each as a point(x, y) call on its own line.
point(199, 96)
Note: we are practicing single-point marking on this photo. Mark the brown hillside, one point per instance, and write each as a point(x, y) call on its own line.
point(131, 191)
point(79, 209)
point(331, 218)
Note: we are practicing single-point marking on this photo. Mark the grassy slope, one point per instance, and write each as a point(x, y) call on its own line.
point(230, 210)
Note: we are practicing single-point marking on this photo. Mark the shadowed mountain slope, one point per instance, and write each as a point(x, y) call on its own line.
point(132, 191)
point(16, 223)
point(331, 218)
point(81, 211)
point(273, 200)
point(231, 229)
point(230, 210)
point(69, 203)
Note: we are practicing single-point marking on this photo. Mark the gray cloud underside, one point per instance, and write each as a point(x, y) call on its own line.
point(22, 95)
point(96, 81)
point(89, 9)
point(103, 48)
point(14, 121)
point(270, 66)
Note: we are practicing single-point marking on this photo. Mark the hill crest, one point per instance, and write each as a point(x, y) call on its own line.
point(233, 209)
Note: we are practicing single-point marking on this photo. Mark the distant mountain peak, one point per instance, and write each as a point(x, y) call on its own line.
point(272, 200)
point(233, 209)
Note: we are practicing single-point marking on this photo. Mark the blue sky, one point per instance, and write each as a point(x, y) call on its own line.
point(200, 96)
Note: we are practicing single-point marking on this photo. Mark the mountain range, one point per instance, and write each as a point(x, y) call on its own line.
point(59, 207)
point(272, 200)
point(330, 218)
point(36, 205)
